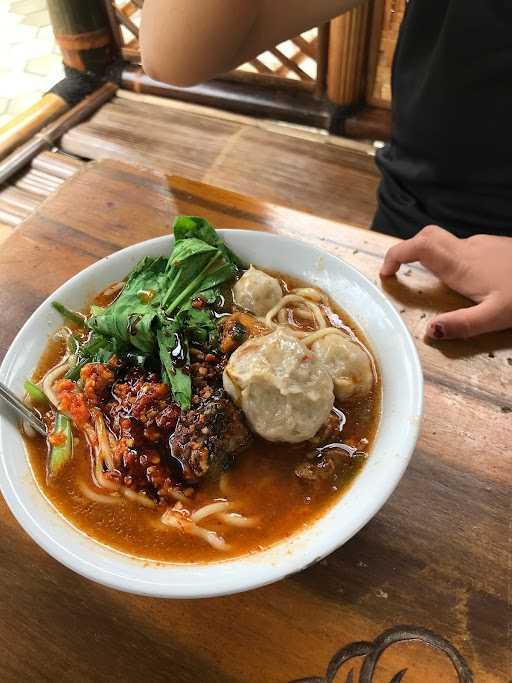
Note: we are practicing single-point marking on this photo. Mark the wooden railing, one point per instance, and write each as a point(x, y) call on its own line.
point(348, 61)
point(296, 59)
point(336, 76)
point(387, 17)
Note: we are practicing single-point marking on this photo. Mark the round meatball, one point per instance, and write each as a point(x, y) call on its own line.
point(285, 392)
point(257, 292)
point(348, 364)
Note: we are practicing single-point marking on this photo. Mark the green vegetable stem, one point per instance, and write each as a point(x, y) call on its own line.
point(61, 453)
point(35, 392)
point(69, 315)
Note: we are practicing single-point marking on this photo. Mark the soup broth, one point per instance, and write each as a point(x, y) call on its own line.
point(263, 500)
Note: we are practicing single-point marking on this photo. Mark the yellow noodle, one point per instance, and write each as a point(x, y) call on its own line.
point(114, 288)
point(294, 299)
point(209, 510)
point(51, 377)
point(139, 498)
point(311, 294)
point(177, 520)
point(236, 519)
point(319, 334)
point(98, 497)
point(304, 314)
point(104, 443)
point(216, 541)
point(282, 316)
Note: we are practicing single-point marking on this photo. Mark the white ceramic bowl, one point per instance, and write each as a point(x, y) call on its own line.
point(401, 412)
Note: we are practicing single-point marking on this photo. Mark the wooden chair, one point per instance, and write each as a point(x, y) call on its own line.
point(331, 79)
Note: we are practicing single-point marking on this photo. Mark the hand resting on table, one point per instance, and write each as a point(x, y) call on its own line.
point(479, 268)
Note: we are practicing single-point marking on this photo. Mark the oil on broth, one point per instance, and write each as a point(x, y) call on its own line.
point(262, 484)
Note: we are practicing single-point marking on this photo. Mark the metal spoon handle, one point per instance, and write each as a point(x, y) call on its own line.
point(22, 409)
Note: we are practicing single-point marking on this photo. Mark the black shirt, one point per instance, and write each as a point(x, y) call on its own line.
point(450, 158)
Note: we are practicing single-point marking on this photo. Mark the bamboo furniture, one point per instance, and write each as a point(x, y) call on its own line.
point(351, 81)
point(84, 34)
point(306, 169)
point(53, 131)
point(335, 77)
point(424, 584)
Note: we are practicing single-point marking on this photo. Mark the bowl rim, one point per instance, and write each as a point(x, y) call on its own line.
point(294, 561)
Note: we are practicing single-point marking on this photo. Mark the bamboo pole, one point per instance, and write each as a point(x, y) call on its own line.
point(57, 164)
point(322, 59)
point(348, 54)
point(84, 34)
point(114, 24)
point(86, 39)
point(24, 125)
point(49, 135)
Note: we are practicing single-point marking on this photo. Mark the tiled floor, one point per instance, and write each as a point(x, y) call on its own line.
point(30, 62)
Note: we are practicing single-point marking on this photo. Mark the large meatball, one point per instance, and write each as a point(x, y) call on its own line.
point(208, 437)
point(348, 364)
point(257, 292)
point(285, 392)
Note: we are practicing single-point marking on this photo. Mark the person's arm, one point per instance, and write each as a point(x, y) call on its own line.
point(185, 42)
point(479, 267)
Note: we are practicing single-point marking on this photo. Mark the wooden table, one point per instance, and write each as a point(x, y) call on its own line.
point(435, 560)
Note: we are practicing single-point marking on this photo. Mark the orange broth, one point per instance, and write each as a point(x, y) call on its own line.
point(261, 484)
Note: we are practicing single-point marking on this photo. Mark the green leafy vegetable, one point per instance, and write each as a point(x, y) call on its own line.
point(69, 315)
point(35, 392)
point(186, 277)
point(157, 311)
point(130, 318)
point(96, 349)
point(202, 327)
point(174, 356)
point(187, 227)
point(203, 273)
point(62, 452)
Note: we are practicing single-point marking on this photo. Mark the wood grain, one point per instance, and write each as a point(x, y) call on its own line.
point(387, 18)
point(369, 123)
point(348, 49)
point(311, 171)
point(5, 232)
point(437, 556)
point(49, 135)
point(26, 191)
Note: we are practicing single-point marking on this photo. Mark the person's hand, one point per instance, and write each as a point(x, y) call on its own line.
point(479, 267)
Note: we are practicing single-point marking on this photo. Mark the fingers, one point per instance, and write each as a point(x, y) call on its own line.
point(467, 322)
point(433, 247)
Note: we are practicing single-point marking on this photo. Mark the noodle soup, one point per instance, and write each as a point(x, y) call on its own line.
point(256, 421)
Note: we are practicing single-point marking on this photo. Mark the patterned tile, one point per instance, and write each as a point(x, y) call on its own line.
point(46, 33)
point(38, 19)
point(25, 7)
point(20, 104)
point(45, 65)
point(30, 62)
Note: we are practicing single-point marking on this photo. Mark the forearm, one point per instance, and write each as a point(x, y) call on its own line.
point(186, 42)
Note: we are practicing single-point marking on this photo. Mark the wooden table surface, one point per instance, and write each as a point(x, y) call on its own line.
point(424, 583)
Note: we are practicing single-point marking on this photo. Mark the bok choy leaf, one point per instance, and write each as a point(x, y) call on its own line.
point(62, 444)
point(154, 313)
